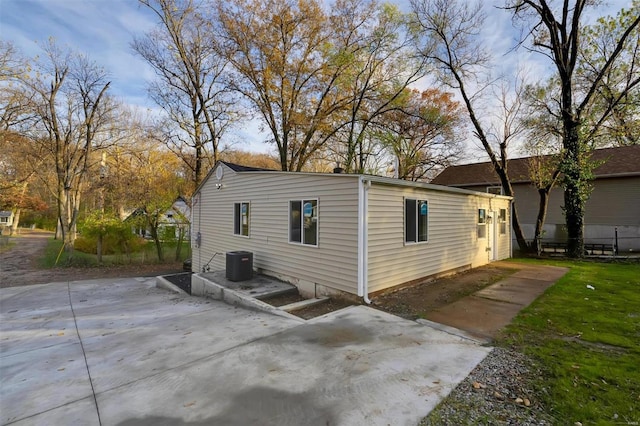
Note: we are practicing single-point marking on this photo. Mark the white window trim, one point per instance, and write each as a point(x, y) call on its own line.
point(301, 243)
point(404, 220)
point(248, 203)
point(478, 223)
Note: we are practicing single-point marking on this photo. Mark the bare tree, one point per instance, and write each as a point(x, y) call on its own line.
point(13, 98)
point(18, 166)
point(375, 41)
point(613, 115)
point(422, 134)
point(281, 52)
point(451, 31)
point(191, 86)
point(71, 108)
point(558, 34)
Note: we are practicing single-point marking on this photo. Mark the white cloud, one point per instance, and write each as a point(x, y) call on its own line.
point(102, 30)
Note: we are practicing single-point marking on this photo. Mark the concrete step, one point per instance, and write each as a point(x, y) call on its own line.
point(277, 292)
point(303, 304)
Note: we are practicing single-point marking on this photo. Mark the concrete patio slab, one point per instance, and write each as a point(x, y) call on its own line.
point(82, 412)
point(41, 380)
point(356, 366)
point(154, 357)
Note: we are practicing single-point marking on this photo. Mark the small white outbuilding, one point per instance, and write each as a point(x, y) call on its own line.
point(359, 234)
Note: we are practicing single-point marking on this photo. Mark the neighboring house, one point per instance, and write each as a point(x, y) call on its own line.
point(613, 205)
point(6, 219)
point(175, 220)
point(348, 233)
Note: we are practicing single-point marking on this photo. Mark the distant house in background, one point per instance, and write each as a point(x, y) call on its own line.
point(6, 219)
point(614, 202)
point(335, 232)
point(172, 222)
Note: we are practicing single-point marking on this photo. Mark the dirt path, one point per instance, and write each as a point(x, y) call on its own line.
point(19, 264)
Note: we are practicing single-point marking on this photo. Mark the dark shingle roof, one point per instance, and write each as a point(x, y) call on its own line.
point(619, 161)
point(239, 168)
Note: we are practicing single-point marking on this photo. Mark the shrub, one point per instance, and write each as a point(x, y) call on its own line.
point(117, 236)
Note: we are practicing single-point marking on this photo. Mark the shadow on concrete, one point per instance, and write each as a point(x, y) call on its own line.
point(256, 406)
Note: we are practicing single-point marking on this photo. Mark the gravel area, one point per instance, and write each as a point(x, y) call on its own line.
point(497, 392)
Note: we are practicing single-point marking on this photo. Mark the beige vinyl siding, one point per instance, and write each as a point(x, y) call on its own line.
point(332, 263)
point(618, 195)
point(452, 239)
point(613, 201)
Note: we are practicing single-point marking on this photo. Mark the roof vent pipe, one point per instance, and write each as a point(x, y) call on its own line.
point(338, 169)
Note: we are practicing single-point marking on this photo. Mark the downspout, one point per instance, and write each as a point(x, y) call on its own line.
point(198, 236)
point(363, 206)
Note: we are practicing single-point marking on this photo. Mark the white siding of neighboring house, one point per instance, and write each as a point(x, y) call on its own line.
point(452, 234)
point(6, 219)
point(333, 263)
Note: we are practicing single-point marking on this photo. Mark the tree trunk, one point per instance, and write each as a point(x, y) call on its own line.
point(543, 193)
point(99, 249)
point(159, 249)
point(575, 190)
point(198, 166)
point(517, 230)
point(515, 221)
point(16, 214)
point(180, 240)
point(16, 220)
point(153, 228)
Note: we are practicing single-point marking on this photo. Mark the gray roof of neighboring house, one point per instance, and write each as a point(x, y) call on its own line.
point(5, 213)
point(618, 161)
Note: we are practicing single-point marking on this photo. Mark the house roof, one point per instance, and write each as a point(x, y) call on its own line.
point(239, 168)
point(369, 178)
point(618, 161)
point(5, 213)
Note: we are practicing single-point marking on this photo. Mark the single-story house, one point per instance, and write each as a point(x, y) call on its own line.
point(613, 207)
point(6, 218)
point(335, 232)
point(174, 221)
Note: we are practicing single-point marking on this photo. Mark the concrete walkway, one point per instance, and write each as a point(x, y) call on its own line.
point(483, 314)
point(123, 352)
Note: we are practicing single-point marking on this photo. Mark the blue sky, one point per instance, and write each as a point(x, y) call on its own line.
point(104, 29)
point(99, 28)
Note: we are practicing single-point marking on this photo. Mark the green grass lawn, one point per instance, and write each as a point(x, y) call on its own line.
point(146, 256)
point(588, 343)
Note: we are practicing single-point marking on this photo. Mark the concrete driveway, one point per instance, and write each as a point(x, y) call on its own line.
point(122, 352)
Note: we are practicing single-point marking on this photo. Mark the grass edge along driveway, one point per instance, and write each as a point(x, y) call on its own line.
point(585, 334)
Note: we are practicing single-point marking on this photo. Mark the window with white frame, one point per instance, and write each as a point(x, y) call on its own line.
point(416, 220)
point(241, 219)
point(482, 223)
point(303, 222)
point(502, 220)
